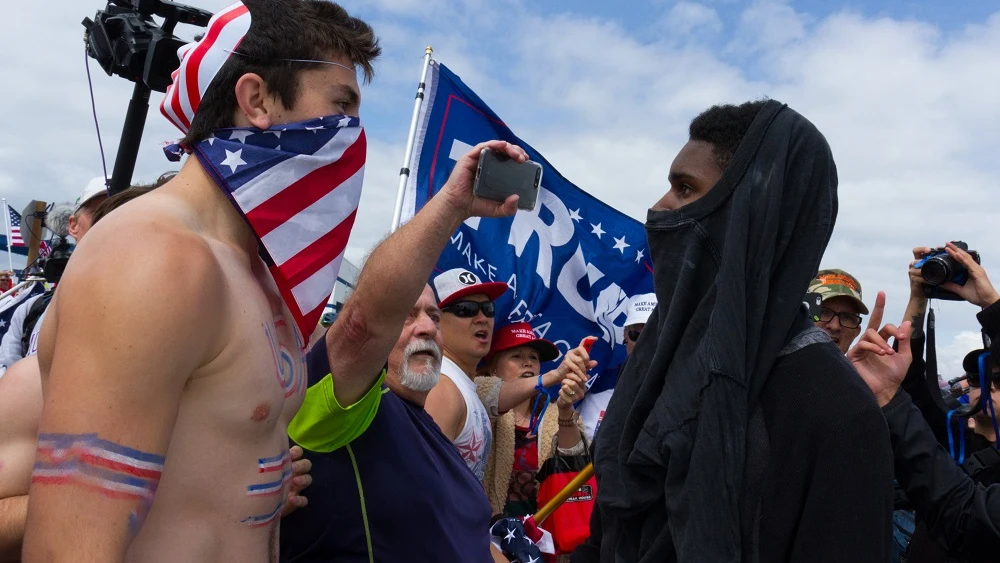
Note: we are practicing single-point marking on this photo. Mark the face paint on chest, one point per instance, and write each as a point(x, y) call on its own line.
point(277, 470)
point(290, 374)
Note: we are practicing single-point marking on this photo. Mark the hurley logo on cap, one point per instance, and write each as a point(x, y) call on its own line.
point(468, 278)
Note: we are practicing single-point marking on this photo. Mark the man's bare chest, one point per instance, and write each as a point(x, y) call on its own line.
point(258, 379)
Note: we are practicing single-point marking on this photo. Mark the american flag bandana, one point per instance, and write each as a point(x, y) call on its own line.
point(297, 185)
point(201, 61)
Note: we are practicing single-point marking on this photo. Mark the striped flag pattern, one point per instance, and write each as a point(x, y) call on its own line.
point(201, 61)
point(298, 186)
point(15, 227)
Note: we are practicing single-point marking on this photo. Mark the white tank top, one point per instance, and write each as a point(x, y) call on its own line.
point(477, 435)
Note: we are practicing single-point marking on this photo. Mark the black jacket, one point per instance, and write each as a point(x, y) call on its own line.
point(962, 515)
point(952, 508)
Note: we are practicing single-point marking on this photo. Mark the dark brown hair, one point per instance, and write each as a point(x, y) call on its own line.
point(281, 30)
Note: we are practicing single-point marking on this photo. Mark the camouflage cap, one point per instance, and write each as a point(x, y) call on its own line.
point(838, 283)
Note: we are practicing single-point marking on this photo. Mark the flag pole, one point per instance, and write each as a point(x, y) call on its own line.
point(6, 214)
point(404, 173)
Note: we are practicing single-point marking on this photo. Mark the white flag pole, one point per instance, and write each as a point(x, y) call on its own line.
point(10, 243)
point(404, 173)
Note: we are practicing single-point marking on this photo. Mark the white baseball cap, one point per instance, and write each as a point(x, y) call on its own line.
point(639, 308)
point(96, 187)
point(459, 282)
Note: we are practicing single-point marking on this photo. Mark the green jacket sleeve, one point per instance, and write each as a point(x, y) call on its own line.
point(322, 425)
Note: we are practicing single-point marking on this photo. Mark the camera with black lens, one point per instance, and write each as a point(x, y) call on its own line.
point(55, 263)
point(126, 41)
point(938, 268)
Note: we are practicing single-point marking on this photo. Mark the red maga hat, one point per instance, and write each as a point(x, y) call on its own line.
point(521, 334)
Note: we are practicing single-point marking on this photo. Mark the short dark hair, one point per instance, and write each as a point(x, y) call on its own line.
point(724, 126)
point(281, 30)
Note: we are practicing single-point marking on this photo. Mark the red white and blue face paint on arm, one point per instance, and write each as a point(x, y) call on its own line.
point(298, 186)
point(115, 471)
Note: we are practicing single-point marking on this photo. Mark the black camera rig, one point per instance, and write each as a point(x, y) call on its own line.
point(125, 40)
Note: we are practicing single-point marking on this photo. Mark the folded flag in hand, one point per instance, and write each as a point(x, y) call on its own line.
point(522, 542)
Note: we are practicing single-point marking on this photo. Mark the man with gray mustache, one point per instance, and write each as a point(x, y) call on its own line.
point(400, 491)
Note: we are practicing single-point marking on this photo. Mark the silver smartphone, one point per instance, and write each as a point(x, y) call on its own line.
point(499, 177)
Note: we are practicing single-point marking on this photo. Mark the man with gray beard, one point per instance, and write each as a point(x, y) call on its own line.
point(399, 490)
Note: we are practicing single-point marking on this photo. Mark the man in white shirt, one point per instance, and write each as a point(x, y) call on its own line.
point(467, 327)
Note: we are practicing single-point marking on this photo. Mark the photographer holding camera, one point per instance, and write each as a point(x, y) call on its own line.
point(935, 272)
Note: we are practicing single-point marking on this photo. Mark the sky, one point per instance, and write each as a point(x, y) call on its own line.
point(906, 93)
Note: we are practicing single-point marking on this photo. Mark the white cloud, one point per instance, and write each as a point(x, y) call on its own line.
point(767, 25)
point(951, 354)
point(687, 18)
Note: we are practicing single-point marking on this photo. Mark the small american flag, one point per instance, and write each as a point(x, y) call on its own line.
point(298, 186)
point(15, 227)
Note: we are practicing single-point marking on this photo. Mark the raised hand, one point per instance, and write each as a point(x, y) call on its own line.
point(458, 189)
point(882, 368)
point(977, 290)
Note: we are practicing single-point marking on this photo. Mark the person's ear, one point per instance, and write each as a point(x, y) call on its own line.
point(257, 105)
point(74, 227)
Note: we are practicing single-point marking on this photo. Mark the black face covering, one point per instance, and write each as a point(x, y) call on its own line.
point(730, 272)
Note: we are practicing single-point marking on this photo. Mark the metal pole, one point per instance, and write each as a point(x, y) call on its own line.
point(10, 243)
point(404, 173)
point(21, 285)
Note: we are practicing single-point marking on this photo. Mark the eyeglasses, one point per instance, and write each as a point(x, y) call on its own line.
point(469, 309)
point(633, 335)
point(847, 320)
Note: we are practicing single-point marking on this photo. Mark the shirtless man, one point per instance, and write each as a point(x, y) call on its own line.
point(165, 382)
point(167, 393)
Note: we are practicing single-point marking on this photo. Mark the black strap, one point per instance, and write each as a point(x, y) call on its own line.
point(981, 461)
point(31, 319)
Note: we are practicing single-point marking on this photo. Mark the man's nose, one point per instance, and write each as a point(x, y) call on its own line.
point(425, 326)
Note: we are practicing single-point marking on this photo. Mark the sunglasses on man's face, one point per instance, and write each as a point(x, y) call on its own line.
point(469, 309)
point(633, 335)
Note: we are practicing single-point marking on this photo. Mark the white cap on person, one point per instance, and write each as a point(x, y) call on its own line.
point(639, 308)
point(459, 282)
point(96, 187)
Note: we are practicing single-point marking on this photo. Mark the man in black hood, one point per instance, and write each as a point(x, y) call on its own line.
point(738, 431)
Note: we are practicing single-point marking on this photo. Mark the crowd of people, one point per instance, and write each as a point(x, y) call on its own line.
point(209, 424)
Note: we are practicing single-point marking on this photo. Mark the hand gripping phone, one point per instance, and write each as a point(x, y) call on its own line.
point(499, 177)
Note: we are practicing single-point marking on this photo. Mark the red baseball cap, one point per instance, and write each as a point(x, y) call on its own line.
point(457, 283)
point(521, 334)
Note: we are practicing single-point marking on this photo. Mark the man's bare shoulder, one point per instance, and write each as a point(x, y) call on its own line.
point(446, 406)
point(146, 261)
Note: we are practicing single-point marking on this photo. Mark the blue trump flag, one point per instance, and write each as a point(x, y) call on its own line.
point(571, 264)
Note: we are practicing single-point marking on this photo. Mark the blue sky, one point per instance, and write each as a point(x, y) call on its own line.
point(905, 92)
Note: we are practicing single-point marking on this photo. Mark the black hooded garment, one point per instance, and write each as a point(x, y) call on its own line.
point(737, 431)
